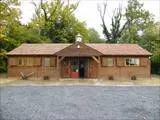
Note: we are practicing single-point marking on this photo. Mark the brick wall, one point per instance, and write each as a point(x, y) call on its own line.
point(38, 71)
point(121, 71)
point(118, 70)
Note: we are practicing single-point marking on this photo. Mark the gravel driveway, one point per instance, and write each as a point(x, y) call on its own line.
point(79, 103)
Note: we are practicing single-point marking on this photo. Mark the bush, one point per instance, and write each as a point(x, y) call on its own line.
point(155, 64)
point(3, 64)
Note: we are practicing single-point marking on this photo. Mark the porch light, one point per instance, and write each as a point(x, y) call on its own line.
point(78, 46)
point(78, 38)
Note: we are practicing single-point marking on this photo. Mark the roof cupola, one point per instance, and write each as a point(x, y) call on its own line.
point(79, 38)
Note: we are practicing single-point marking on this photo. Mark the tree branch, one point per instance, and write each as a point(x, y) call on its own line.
point(102, 16)
point(44, 11)
point(36, 8)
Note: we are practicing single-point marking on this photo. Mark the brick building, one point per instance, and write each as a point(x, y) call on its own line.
point(79, 60)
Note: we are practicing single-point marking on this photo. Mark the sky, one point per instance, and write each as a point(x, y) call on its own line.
point(87, 11)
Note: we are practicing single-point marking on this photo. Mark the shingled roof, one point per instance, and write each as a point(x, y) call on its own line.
point(105, 49)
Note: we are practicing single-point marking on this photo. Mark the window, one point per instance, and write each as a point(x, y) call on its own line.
point(32, 61)
point(132, 62)
point(12, 61)
point(110, 61)
point(25, 61)
point(46, 62)
point(107, 61)
point(29, 61)
point(120, 61)
point(20, 61)
point(53, 61)
point(49, 61)
point(37, 61)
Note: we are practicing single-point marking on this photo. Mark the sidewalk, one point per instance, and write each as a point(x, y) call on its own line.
point(84, 82)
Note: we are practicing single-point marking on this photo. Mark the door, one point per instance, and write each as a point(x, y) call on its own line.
point(83, 68)
point(74, 68)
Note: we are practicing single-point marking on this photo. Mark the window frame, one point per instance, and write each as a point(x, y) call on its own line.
point(110, 61)
point(55, 61)
point(12, 61)
point(135, 61)
point(107, 58)
point(44, 64)
point(29, 60)
point(22, 62)
point(35, 60)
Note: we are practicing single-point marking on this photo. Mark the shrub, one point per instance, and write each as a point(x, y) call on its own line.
point(155, 64)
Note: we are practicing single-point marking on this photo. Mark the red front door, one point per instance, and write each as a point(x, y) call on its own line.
point(65, 68)
point(74, 68)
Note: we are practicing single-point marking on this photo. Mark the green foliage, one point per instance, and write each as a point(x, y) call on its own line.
point(57, 22)
point(30, 35)
point(9, 16)
point(155, 63)
point(3, 64)
point(54, 21)
point(94, 37)
point(151, 42)
point(136, 19)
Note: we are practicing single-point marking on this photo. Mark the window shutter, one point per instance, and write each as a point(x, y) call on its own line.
point(29, 61)
point(37, 61)
point(12, 61)
point(110, 62)
point(104, 61)
point(20, 61)
point(46, 62)
point(53, 61)
point(120, 61)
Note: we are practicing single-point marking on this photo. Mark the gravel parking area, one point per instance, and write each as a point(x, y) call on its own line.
point(79, 103)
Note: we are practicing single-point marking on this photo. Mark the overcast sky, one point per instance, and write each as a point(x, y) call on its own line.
point(87, 10)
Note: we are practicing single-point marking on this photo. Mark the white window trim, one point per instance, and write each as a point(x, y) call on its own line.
point(135, 59)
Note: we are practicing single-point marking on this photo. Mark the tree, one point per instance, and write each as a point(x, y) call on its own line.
point(9, 17)
point(57, 21)
point(54, 21)
point(94, 36)
point(135, 18)
point(151, 38)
